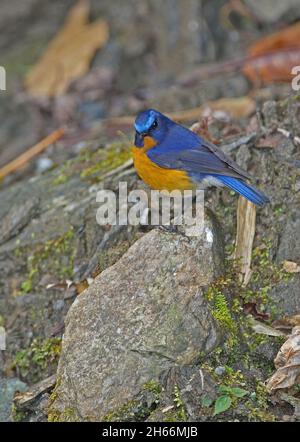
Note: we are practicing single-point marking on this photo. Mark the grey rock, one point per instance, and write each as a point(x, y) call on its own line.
point(220, 370)
point(34, 215)
point(137, 321)
point(8, 387)
point(17, 218)
point(287, 296)
point(43, 164)
point(289, 245)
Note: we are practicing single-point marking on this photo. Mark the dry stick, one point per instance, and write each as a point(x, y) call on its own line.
point(25, 157)
point(246, 220)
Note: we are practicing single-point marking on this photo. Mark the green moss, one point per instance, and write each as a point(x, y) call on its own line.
point(153, 387)
point(17, 415)
point(226, 297)
point(41, 355)
point(125, 412)
point(67, 415)
point(60, 179)
point(179, 404)
point(265, 275)
point(55, 255)
point(93, 165)
point(258, 405)
point(221, 311)
point(105, 160)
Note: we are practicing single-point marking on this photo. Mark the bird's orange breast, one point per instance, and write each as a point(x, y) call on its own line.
point(155, 176)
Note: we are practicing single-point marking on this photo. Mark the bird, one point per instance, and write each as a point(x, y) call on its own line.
point(169, 156)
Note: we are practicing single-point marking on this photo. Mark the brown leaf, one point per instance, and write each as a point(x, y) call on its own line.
point(69, 54)
point(271, 67)
point(250, 308)
point(246, 218)
point(287, 363)
point(272, 58)
point(288, 37)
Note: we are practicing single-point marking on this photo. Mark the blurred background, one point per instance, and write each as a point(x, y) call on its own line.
point(77, 73)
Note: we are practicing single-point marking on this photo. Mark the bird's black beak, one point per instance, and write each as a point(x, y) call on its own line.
point(139, 140)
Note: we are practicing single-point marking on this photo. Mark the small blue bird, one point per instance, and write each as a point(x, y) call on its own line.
point(169, 156)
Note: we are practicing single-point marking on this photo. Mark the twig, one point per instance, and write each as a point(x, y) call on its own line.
point(35, 150)
point(246, 219)
point(239, 142)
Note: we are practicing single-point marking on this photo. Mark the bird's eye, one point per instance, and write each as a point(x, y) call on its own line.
point(154, 125)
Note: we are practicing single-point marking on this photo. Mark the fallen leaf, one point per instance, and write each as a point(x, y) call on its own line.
point(250, 308)
point(273, 67)
point(246, 219)
point(69, 54)
point(268, 60)
point(288, 37)
point(291, 267)
point(272, 58)
point(287, 363)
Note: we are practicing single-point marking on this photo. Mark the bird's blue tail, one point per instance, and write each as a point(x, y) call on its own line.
point(246, 190)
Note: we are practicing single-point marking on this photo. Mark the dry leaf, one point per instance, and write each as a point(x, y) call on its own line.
point(69, 55)
point(291, 267)
point(287, 363)
point(272, 67)
point(251, 308)
point(246, 218)
point(273, 57)
point(288, 37)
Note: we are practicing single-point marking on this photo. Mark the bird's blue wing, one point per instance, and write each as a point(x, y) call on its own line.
point(182, 149)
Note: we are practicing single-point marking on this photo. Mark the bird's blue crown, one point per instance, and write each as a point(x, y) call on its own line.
point(145, 120)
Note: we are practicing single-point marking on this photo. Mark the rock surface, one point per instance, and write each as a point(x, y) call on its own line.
point(8, 387)
point(136, 321)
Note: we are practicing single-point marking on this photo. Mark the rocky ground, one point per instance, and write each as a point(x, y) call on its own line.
point(134, 323)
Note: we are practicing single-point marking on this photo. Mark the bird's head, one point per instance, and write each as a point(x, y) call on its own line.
point(151, 128)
